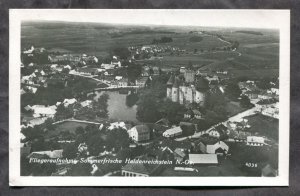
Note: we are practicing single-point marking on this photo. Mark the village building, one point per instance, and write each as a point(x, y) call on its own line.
point(180, 154)
point(173, 132)
point(218, 132)
point(43, 111)
point(219, 147)
point(86, 103)
point(139, 133)
point(203, 159)
point(107, 66)
point(255, 141)
point(87, 71)
point(51, 154)
point(68, 102)
point(142, 82)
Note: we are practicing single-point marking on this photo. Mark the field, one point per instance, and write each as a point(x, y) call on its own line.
point(257, 52)
point(65, 127)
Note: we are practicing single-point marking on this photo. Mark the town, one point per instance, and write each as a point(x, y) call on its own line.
point(142, 119)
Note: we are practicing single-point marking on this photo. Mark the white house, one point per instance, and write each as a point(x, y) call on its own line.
point(214, 149)
point(255, 141)
point(175, 131)
point(139, 133)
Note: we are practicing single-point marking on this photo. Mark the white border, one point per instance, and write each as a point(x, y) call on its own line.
point(278, 19)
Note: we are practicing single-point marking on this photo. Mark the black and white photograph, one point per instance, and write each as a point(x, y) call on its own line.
point(184, 97)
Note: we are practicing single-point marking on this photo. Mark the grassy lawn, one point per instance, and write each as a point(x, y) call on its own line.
point(65, 126)
point(264, 125)
point(233, 108)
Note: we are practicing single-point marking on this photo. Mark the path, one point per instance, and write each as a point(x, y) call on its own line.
point(75, 120)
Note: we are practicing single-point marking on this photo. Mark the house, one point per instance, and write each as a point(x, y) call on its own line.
point(173, 132)
point(107, 66)
point(218, 132)
point(68, 102)
point(86, 103)
point(87, 71)
point(203, 159)
point(219, 147)
point(255, 141)
point(189, 114)
point(179, 154)
point(51, 154)
point(197, 114)
point(116, 125)
point(122, 82)
point(139, 133)
point(142, 82)
point(41, 110)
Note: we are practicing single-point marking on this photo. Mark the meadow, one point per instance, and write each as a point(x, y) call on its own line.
point(257, 53)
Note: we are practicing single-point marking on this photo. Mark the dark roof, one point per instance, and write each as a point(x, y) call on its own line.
point(176, 82)
point(171, 80)
point(190, 112)
point(142, 129)
point(202, 84)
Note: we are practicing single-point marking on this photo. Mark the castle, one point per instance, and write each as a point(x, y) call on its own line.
point(187, 90)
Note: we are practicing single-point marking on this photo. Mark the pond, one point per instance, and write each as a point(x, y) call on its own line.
point(117, 108)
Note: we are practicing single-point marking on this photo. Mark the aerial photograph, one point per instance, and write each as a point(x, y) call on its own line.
point(136, 100)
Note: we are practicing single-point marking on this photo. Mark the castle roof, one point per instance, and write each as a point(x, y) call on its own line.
point(171, 80)
point(176, 83)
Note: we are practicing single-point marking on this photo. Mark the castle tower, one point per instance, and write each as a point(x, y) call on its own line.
point(169, 86)
point(201, 91)
point(175, 91)
point(182, 94)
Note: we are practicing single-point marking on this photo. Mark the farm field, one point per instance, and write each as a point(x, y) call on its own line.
point(258, 52)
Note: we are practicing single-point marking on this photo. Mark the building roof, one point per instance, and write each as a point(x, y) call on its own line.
point(176, 83)
point(172, 131)
point(180, 152)
point(142, 129)
point(220, 144)
point(171, 80)
point(203, 158)
point(50, 154)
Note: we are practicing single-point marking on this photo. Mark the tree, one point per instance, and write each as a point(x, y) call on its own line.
point(232, 90)
point(131, 99)
point(70, 151)
point(117, 138)
point(148, 108)
point(122, 52)
point(245, 102)
point(172, 111)
point(134, 71)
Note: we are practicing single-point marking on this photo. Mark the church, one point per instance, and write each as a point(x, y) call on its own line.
point(185, 90)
